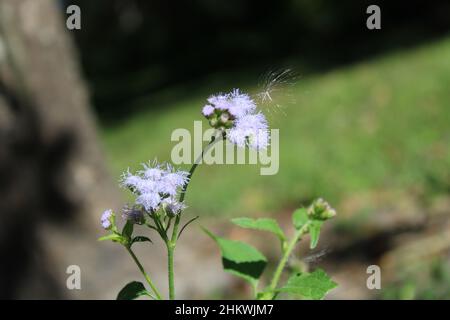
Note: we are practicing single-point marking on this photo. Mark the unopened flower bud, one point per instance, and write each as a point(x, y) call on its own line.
point(224, 117)
point(174, 208)
point(213, 122)
point(134, 214)
point(321, 210)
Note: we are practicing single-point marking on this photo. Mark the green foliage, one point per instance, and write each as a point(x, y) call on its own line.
point(263, 224)
point(127, 230)
point(113, 237)
point(126, 237)
point(240, 259)
point(313, 285)
point(314, 232)
point(300, 218)
point(140, 239)
point(247, 262)
point(132, 290)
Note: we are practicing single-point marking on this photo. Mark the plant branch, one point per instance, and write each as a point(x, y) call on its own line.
point(146, 276)
point(287, 252)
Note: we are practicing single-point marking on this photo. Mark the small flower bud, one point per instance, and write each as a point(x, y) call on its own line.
point(321, 210)
point(213, 122)
point(173, 208)
point(107, 219)
point(224, 117)
point(134, 214)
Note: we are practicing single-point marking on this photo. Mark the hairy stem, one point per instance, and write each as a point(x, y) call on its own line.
point(146, 276)
point(287, 252)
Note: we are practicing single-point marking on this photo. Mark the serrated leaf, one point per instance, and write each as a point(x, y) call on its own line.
point(132, 291)
point(141, 239)
point(263, 224)
point(314, 231)
point(313, 285)
point(127, 230)
point(300, 218)
point(240, 259)
point(112, 237)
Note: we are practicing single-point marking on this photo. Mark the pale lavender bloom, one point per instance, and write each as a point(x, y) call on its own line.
point(148, 186)
point(152, 173)
point(208, 110)
point(173, 207)
point(150, 201)
point(172, 181)
point(220, 101)
point(240, 104)
point(250, 130)
point(106, 219)
point(130, 180)
point(155, 183)
point(236, 103)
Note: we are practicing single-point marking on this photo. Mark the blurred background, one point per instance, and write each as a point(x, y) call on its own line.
point(363, 116)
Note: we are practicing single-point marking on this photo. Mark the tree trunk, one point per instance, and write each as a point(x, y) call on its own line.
point(53, 180)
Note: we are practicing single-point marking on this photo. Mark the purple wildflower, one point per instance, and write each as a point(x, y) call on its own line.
point(173, 207)
point(106, 219)
point(220, 101)
point(150, 201)
point(250, 130)
point(236, 112)
point(208, 110)
point(130, 180)
point(240, 104)
point(155, 183)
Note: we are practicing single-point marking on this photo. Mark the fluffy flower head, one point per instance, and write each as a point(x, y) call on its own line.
point(106, 219)
point(237, 114)
point(154, 183)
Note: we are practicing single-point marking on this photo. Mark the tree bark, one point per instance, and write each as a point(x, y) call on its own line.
point(53, 179)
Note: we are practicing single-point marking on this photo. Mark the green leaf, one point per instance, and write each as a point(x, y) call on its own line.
point(313, 285)
point(113, 237)
point(314, 231)
point(141, 239)
point(127, 230)
point(263, 224)
point(132, 291)
point(240, 259)
point(300, 218)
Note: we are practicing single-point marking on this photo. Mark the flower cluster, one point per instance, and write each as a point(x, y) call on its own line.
point(321, 210)
point(237, 114)
point(156, 186)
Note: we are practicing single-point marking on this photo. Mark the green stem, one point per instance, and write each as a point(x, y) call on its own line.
point(171, 244)
point(170, 251)
point(287, 252)
point(146, 276)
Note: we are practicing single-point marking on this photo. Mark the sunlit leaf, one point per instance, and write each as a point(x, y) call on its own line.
point(263, 224)
point(240, 259)
point(313, 285)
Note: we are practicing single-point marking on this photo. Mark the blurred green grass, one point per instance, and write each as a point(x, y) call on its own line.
point(379, 124)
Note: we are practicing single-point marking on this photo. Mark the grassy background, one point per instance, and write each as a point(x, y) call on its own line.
point(380, 124)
